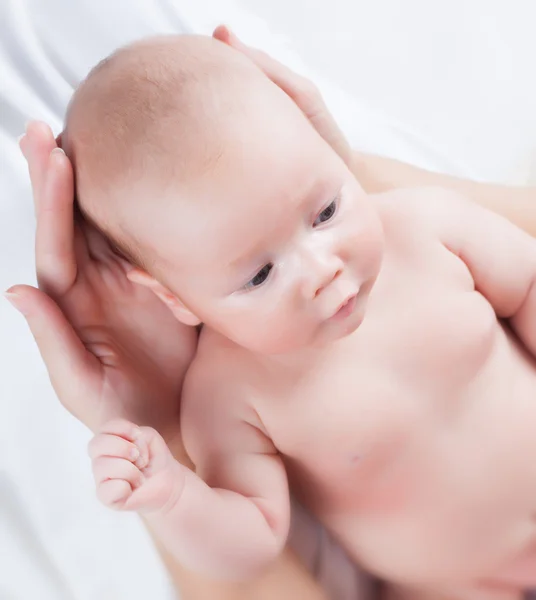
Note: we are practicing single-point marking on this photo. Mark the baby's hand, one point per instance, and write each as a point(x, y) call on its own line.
point(134, 469)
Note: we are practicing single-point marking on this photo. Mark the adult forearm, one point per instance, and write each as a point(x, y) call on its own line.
point(482, 593)
point(285, 579)
point(378, 174)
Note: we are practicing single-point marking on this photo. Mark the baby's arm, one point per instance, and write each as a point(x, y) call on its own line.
point(500, 257)
point(237, 510)
point(240, 503)
point(229, 521)
point(234, 525)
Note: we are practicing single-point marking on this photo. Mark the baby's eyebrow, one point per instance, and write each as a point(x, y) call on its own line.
point(315, 191)
point(248, 259)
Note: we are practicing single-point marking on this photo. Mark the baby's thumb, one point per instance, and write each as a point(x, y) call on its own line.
point(62, 351)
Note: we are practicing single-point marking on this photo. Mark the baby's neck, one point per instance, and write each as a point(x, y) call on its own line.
point(299, 362)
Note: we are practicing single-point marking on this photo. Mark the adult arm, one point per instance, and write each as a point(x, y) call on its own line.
point(380, 174)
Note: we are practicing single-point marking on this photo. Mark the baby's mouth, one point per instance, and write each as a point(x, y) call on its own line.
point(346, 308)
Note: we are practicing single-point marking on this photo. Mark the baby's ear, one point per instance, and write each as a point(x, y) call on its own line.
point(175, 305)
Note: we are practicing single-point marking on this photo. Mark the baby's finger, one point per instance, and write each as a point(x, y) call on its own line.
point(122, 428)
point(143, 446)
point(131, 433)
point(114, 492)
point(105, 467)
point(113, 446)
point(158, 453)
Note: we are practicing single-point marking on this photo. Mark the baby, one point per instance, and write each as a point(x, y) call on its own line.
point(376, 351)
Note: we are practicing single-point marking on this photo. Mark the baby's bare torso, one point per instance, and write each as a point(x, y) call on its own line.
point(414, 438)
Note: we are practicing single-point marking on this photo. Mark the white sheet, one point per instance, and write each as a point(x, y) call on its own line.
point(61, 544)
point(454, 78)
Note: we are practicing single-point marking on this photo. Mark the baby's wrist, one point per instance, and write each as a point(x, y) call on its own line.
point(173, 439)
point(168, 512)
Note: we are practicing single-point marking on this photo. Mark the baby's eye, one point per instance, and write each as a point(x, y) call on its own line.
point(326, 214)
point(259, 278)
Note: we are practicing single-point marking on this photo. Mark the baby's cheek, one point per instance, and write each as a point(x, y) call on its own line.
point(276, 334)
point(274, 337)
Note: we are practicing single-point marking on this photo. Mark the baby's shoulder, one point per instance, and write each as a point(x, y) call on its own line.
point(421, 210)
point(217, 379)
point(218, 405)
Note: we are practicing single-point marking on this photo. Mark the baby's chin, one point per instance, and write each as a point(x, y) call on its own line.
point(322, 337)
point(348, 320)
point(334, 333)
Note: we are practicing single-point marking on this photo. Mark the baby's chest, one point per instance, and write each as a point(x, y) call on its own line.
point(427, 326)
point(407, 367)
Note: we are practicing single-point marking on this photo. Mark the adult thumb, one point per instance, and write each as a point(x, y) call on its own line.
point(65, 356)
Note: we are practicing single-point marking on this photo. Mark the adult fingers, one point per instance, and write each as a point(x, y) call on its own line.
point(36, 145)
point(300, 89)
point(55, 243)
point(70, 366)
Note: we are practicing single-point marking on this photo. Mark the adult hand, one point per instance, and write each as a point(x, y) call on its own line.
point(300, 89)
point(112, 349)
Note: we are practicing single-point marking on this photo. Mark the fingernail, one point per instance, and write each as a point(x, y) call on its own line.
point(232, 35)
point(134, 454)
point(15, 300)
point(19, 142)
point(58, 151)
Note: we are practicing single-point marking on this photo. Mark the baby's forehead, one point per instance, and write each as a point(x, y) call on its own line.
point(170, 115)
point(160, 104)
point(224, 221)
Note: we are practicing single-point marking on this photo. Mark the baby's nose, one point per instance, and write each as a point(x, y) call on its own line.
point(325, 280)
point(320, 272)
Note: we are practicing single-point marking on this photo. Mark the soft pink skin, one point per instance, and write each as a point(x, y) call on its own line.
point(421, 470)
point(133, 467)
point(397, 420)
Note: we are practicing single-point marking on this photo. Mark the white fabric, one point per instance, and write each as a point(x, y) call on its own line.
point(464, 106)
point(455, 78)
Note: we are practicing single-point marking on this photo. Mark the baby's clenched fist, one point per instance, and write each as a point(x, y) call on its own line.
point(134, 469)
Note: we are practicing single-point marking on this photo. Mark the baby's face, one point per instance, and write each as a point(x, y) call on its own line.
point(277, 247)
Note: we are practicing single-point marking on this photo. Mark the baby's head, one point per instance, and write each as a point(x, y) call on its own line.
point(213, 183)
